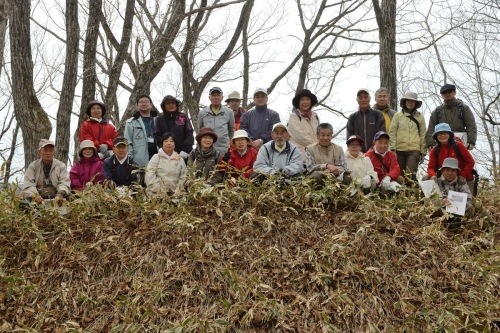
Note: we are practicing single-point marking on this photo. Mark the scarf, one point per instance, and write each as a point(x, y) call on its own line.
point(307, 114)
point(202, 155)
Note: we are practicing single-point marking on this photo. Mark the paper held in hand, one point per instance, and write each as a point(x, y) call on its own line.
point(458, 203)
point(430, 188)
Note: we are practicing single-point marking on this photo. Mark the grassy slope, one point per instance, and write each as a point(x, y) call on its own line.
point(246, 260)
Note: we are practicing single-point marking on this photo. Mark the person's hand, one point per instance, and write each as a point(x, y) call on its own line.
point(446, 202)
point(434, 178)
point(183, 155)
point(385, 183)
point(366, 182)
point(394, 186)
point(256, 144)
point(103, 148)
point(60, 199)
point(470, 146)
point(227, 156)
point(333, 169)
point(38, 199)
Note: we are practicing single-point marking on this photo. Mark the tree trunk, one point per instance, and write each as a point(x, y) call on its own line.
point(246, 64)
point(386, 20)
point(116, 70)
point(89, 61)
point(69, 81)
point(8, 163)
point(30, 115)
point(4, 19)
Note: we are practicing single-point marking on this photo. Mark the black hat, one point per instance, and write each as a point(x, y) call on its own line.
point(91, 103)
point(169, 98)
point(304, 93)
point(447, 87)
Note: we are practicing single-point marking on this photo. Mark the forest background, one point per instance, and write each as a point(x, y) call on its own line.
point(56, 56)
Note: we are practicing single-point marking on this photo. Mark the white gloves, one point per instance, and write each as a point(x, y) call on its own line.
point(394, 186)
point(183, 155)
point(386, 183)
point(366, 182)
point(103, 148)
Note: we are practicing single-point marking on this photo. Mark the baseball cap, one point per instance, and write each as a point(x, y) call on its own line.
point(214, 89)
point(45, 142)
point(380, 134)
point(363, 90)
point(120, 141)
point(258, 90)
point(447, 87)
point(275, 126)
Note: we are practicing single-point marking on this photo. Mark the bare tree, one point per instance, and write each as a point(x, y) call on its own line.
point(30, 115)
point(4, 19)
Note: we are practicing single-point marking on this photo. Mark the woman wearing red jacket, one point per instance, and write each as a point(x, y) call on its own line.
point(448, 147)
point(241, 159)
point(98, 130)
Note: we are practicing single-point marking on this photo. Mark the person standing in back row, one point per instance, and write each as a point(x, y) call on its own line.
point(382, 104)
point(233, 102)
point(456, 114)
point(218, 117)
point(259, 121)
point(365, 122)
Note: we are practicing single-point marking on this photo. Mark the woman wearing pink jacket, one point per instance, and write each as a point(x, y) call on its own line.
point(88, 170)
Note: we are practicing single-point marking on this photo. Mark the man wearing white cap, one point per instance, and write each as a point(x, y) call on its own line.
point(218, 117)
point(365, 122)
point(279, 156)
point(47, 177)
point(233, 101)
point(259, 121)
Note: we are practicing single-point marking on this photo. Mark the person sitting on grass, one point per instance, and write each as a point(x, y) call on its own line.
point(166, 170)
point(241, 159)
point(47, 177)
point(205, 158)
point(360, 166)
point(120, 169)
point(88, 170)
point(385, 163)
point(449, 182)
point(278, 157)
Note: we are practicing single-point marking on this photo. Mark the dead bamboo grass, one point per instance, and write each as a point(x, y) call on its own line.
point(245, 259)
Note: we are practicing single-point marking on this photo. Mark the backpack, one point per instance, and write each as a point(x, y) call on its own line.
point(460, 109)
point(300, 118)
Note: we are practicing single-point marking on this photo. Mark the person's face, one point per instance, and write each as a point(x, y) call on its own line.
point(382, 98)
point(363, 100)
point(443, 137)
point(448, 95)
point(325, 137)
point(87, 152)
point(382, 145)
point(241, 144)
point(144, 105)
point(170, 105)
point(96, 111)
point(260, 99)
point(280, 136)
point(168, 145)
point(410, 104)
point(305, 103)
point(206, 142)
point(47, 154)
point(215, 98)
point(120, 151)
point(354, 148)
point(449, 174)
point(234, 104)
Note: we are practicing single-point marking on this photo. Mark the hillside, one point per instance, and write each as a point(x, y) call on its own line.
point(246, 259)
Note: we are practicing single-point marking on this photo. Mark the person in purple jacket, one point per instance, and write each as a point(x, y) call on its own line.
point(88, 170)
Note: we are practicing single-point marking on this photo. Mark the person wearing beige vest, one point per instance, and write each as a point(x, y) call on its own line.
point(325, 158)
point(303, 121)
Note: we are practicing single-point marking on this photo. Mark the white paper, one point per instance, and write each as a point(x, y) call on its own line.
point(458, 203)
point(462, 136)
point(429, 187)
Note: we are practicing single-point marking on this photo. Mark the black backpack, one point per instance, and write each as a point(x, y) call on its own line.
point(460, 109)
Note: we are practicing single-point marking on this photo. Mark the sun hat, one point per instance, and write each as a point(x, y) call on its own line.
point(92, 103)
point(240, 134)
point(304, 93)
point(412, 97)
point(86, 144)
point(233, 95)
point(451, 163)
point(447, 87)
point(380, 134)
point(275, 126)
point(355, 138)
point(206, 131)
point(45, 142)
point(120, 141)
point(442, 127)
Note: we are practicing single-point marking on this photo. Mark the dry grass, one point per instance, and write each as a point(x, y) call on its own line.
point(246, 259)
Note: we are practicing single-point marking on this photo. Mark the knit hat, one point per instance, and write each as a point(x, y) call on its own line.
point(206, 131)
point(240, 134)
point(412, 97)
point(304, 93)
point(92, 103)
point(45, 142)
point(355, 138)
point(233, 95)
point(442, 127)
point(451, 163)
point(86, 144)
point(447, 87)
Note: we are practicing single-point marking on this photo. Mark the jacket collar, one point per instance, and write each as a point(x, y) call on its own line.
point(287, 146)
point(137, 114)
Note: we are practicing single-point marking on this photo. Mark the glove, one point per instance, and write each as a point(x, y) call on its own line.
point(227, 156)
point(422, 159)
point(366, 182)
point(103, 148)
point(394, 186)
point(183, 155)
point(101, 156)
point(434, 178)
point(470, 146)
point(386, 183)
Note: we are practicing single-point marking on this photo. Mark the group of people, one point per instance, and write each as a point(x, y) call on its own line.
point(384, 147)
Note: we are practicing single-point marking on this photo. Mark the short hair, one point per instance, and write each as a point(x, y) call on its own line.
point(142, 96)
point(167, 136)
point(324, 126)
point(381, 89)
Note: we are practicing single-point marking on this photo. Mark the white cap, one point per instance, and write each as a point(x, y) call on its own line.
point(275, 126)
point(258, 90)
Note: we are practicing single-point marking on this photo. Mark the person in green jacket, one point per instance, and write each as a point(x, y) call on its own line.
point(407, 134)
